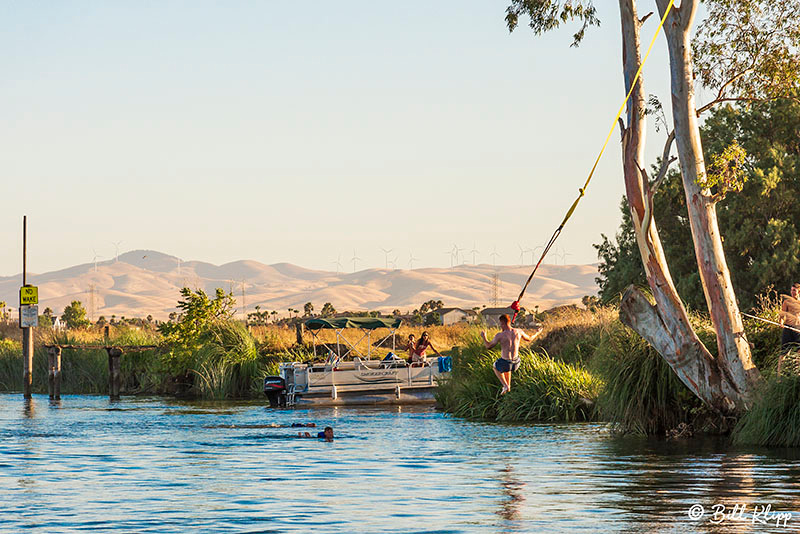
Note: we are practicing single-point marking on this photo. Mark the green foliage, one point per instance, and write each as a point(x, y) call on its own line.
point(774, 418)
point(642, 394)
point(431, 305)
point(725, 171)
point(74, 315)
point(199, 315)
point(328, 310)
point(433, 319)
point(227, 364)
point(546, 15)
point(747, 49)
point(620, 262)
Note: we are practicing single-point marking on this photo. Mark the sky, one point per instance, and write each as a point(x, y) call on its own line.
point(308, 133)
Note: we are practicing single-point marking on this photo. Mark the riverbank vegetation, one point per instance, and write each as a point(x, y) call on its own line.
point(586, 366)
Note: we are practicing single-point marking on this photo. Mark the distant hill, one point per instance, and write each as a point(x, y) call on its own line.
point(146, 282)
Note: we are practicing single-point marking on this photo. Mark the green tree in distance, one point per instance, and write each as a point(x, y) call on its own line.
point(74, 315)
point(198, 314)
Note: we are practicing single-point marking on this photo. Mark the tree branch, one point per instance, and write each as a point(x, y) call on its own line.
point(666, 161)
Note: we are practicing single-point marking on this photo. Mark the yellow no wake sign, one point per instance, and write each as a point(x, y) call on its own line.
point(29, 295)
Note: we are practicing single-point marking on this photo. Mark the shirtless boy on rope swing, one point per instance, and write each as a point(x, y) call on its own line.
point(509, 339)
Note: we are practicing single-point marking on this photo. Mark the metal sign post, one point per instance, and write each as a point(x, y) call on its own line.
point(27, 306)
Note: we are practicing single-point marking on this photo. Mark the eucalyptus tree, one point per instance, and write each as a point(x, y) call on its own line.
point(744, 50)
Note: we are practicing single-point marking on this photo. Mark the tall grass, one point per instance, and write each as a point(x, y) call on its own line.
point(642, 395)
point(774, 418)
point(542, 389)
point(227, 366)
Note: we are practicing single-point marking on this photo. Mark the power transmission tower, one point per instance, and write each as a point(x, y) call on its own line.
point(495, 288)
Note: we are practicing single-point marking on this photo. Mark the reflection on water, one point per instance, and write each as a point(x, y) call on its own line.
point(157, 465)
point(512, 488)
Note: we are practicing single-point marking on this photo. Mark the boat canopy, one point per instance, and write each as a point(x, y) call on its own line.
point(365, 323)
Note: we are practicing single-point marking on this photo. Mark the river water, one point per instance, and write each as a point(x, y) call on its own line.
point(158, 465)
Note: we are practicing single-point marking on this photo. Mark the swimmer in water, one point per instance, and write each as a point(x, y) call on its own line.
point(326, 434)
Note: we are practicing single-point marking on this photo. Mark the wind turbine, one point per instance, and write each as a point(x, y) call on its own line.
point(354, 260)
point(521, 254)
point(527, 250)
point(474, 251)
point(411, 259)
point(179, 265)
point(338, 263)
point(386, 256)
point(96, 257)
point(457, 251)
point(393, 262)
point(494, 255)
point(533, 253)
point(450, 253)
point(116, 250)
point(564, 255)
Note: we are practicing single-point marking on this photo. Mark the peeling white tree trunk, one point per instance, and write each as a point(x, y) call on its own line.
point(665, 326)
point(733, 348)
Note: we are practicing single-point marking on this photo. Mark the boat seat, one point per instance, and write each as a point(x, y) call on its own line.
point(359, 363)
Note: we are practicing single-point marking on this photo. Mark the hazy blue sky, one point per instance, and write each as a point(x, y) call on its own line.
point(299, 131)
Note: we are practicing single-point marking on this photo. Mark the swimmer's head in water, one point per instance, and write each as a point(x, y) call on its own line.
point(328, 432)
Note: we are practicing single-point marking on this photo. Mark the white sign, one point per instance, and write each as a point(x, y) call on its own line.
point(28, 316)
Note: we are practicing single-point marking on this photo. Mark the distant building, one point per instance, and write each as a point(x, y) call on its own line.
point(491, 316)
point(454, 315)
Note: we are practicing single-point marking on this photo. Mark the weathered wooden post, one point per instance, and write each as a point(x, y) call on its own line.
point(28, 316)
point(114, 354)
point(299, 328)
point(54, 371)
point(27, 361)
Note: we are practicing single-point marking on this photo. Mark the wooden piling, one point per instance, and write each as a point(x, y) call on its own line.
point(27, 362)
point(114, 354)
point(299, 328)
point(54, 371)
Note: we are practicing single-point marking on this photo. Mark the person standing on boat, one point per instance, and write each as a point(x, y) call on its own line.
point(509, 340)
point(790, 316)
point(424, 343)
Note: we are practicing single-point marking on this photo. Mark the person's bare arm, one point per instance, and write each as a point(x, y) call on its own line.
point(434, 349)
point(530, 337)
point(489, 344)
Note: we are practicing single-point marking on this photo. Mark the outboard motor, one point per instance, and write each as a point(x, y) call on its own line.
point(275, 390)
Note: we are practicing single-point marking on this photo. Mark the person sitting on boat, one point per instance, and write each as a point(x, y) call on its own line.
point(509, 340)
point(790, 317)
point(423, 345)
point(411, 346)
point(326, 434)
